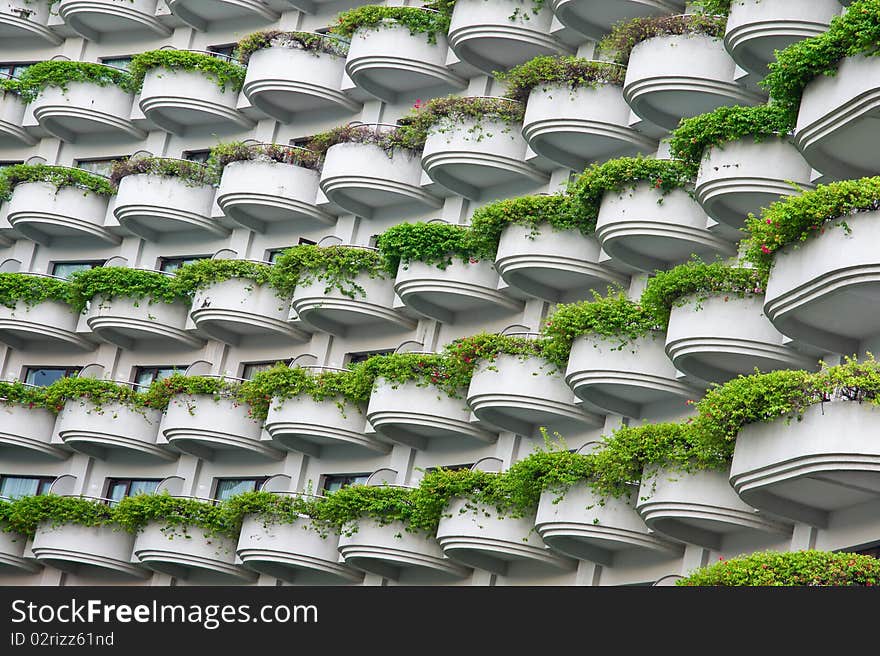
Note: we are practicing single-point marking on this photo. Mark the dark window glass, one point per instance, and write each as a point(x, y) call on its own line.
point(117, 62)
point(66, 269)
point(119, 488)
point(43, 376)
point(172, 264)
point(6, 163)
point(251, 369)
point(333, 482)
point(197, 155)
point(354, 358)
point(145, 376)
point(229, 487)
point(223, 49)
point(98, 166)
point(13, 487)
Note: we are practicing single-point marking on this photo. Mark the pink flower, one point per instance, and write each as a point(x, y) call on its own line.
point(764, 249)
point(769, 222)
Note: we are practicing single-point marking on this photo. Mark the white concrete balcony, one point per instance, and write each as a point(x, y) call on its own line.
point(291, 551)
point(37, 326)
point(524, 394)
point(574, 127)
point(498, 35)
point(390, 61)
point(595, 18)
point(177, 100)
point(632, 380)
point(85, 110)
point(585, 526)
point(476, 536)
point(200, 13)
point(835, 125)
point(805, 470)
point(152, 206)
point(26, 19)
point(188, 553)
point(27, 430)
point(742, 177)
point(679, 76)
point(48, 214)
point(283, 82)
point(114, 429)
point(553, 264)
point(721, 337)
point(203, 426)
point(260, 195)
point(128, 322)
point(391, 550)
point(305, 425)
point(756, 28)
point(822, 292)
point(336, 313)
point(239, 308)
point(12, 558)
point(470, 156)
point(11, 118)
point(650, 231)
point(418, 415)
point(700, 508)
point(96, 19)
point(458, 290)
point(362, 178)
point(83, 549)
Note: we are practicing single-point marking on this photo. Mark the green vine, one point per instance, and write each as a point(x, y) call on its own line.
point(59, 73)
point(194, 174)
point(194, 276)
point(307, 41)
point(224, 154)
point(374, 17)
point(60, 176)
point(571, 72)
point(338, 266)
point(626, 35)
point(113, 282)
point(31, 290)
point(225, 74)
point(430, 243)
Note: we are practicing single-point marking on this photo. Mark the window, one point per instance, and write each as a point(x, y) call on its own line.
point(5, 163)
point(148, 375)
point(251, 369)
point(66, 269)
point(333, 482)
point(197, 155)
point(374, 239)
point(119, 488)
point(229, 487)
point(118, 62)
point(12, 487)
point(43, 376)
point(172, 264)
point(223, 49)
point(273, 253)
point(450, 467)
point(13, 69)
point(99, 166)
point(300, 142)
point(354, 358)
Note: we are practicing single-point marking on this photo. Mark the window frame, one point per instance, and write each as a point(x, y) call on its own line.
point(41, 480)
point(95, 264)
point(259, 481)
point(27, 369)
point(326, 478)
point(112, 482)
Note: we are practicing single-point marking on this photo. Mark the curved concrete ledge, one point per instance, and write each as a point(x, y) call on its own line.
point(595, 18)
point(84, 110)
point(21, 19)
point(12, 553)
point(114, 427)
point(50, 321)
point(125, 321)
point(11, 118)
point(28, 430)
point(72, 548)
point(46, 213)
point(93, 19)
point(200, 14)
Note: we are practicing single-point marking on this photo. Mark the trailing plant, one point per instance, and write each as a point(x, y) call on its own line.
point(60, 73)
point(436, 370)
point(337, 266)
point(176, 516)
point(31, 290)
point(468, 352)
point(238, 151)
point(431, 243)
point(93, 392)
point(192, 173)
point(626, 35)
point(25, 514)
point(386, 139)
point(194, 276)
point(373, 17)
point(770, 568)
point(225, 74)
point(547, 72)
point(308, 41)
point(162, 392)
point(60, 176)
point(17, 393)
point(113, 282)
point(713, 7)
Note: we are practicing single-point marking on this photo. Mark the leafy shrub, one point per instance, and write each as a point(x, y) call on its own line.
point(374, 17)
point(430, 243)
point(31, 290)
point(713, 7)
point(225, 74)
point(60, 176)
point(238, 151)
point(113, 282)
point(338, 266)
point(175, 514)
point(319, 144)
point(162, 392)
point(94, 392)
point(572, 72)
point(626, 35)
point(201, 274)
point(17, 393)
point(25, 514)
point(280, 39)
point(59, 73)
point(192, 173)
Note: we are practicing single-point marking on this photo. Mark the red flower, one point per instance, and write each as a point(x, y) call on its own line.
point(764, 249)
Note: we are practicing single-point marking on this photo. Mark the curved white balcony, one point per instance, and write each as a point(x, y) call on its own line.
point(500, 34)
point(757, 28)
point(12, 553)
point(200, 13)
point(630, 379)
point(476, 536)
point(700, 508)
point(361, 178)
point(721, 337)
point(48, 214)
point(524, 394)
point(574, 127)
point(260, 195)
point(11, 118)
point(679, 76)
point(305, 425)
point(112, 429)
point(283, 82)
point(126, 322)
point(238, 308)
point(202, 426)
point(74, 548)
point(154, 205)
point(287, 551)
point(470, 156)
point(28, 430)
point(595, 18)
point(25, 19)
point(552, 264)
point(585, 526)
point(391, 61)
point(835, 125)
point(806, 469)
point(742, 177)
point(188, 553)
point(416, 415)
point(650, 231)
point(821, 293)
point(94, 19)
point(85, 110)
point(176, 100)
point(459, 289)
point(335, 313)
point(390, 550)
point(33, 327)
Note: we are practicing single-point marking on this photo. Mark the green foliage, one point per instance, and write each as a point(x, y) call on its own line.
point(695, 135)
point(374, 17)
point(238, 151)
point(60, 73)
point(201, 274)
point(31, 290)
point(713, 7)
point(436, 370)
point(626, 35)
point(280, 39)
point(338, 266)
point(175, 514)
point(17, 393)
point(319, 144)
point(571, 72)
point(60, 176)
point(194, 174)
point(162, 392)
point(24, 514)
point(769, 568)
point(430, 243)
point(112, 282)
point(94, 392)
point(225, 74)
